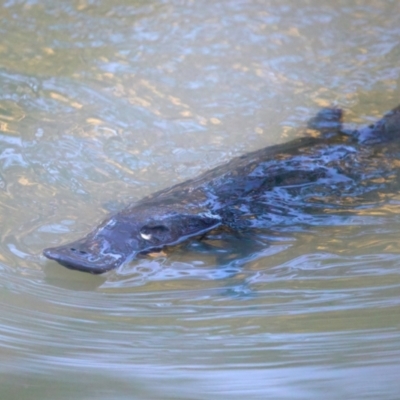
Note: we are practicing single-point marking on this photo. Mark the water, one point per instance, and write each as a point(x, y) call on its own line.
point(104, 102)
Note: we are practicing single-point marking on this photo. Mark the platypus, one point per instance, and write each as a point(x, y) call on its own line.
point(262, 189)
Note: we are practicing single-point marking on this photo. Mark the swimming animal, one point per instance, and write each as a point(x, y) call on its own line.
point(292, 183)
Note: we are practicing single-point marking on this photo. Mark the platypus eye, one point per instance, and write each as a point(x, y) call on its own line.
point(150, 232)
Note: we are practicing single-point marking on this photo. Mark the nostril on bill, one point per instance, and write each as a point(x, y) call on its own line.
point(74, 250)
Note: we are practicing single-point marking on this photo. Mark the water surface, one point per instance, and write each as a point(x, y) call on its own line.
point(104, 102)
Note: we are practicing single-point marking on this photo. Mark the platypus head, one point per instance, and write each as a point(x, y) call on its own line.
point(122, 236)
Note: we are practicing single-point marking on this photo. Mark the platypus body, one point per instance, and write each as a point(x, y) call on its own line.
point(269, 187)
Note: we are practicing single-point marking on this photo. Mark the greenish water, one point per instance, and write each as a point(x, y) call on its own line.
point(104, 102)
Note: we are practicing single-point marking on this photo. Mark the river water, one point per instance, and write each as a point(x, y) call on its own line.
point(104, 102)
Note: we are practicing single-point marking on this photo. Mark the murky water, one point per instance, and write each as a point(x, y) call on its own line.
point(104, 102)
